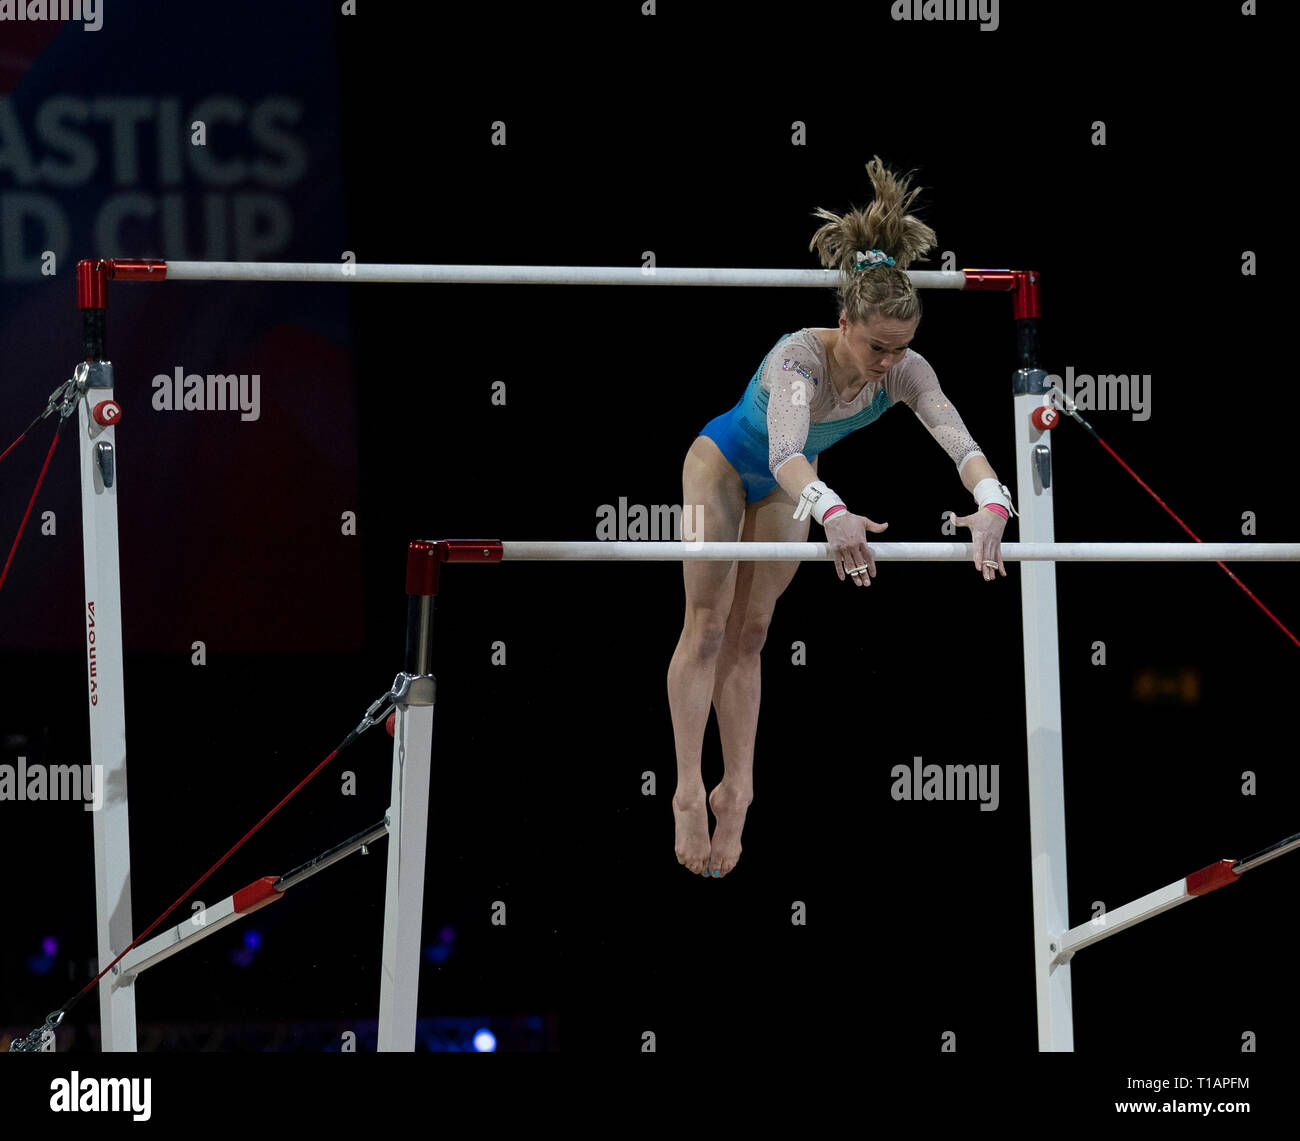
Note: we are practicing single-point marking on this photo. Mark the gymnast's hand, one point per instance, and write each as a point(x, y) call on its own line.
point(986, 536)
point(846, 536)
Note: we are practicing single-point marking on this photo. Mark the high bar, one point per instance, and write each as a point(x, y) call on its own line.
point(345, 273)
point(466, 550)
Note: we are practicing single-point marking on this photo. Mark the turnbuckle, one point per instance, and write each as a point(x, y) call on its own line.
point(34, 1043)
point(63, 400)
point(408, 689)
point(378, 710)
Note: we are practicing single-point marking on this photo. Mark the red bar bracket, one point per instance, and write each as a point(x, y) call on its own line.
point(133, 269)
point(94, 274)
point(998, 280)
point(1025, 302)
point(422, 567)
point(1022, 284)
point(92, 284)
point(424, 557)
point(470, 550)
point(1211, 878)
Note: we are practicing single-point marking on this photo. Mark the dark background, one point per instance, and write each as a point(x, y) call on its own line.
point(673, 134)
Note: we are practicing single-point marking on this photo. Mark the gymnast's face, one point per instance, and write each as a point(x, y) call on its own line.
point(875, 347)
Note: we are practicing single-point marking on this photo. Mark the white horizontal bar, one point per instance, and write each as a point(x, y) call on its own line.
point(903, 552)
point(1113, 922)
point(527, 274)
point(184, 934)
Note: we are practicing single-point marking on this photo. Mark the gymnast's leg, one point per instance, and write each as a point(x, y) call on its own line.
point(713, 503)
point(737, 682)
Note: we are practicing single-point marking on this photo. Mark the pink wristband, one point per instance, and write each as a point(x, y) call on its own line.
point(998, 508)
point(833, 511)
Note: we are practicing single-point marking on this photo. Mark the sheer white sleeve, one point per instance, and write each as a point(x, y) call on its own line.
point(792, 372)
point(918, 388)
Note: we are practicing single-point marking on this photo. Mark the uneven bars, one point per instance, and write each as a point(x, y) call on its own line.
point(495, 550)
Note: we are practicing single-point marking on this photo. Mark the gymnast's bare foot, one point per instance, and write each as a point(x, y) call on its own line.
point(729, 806)
point(692, 831)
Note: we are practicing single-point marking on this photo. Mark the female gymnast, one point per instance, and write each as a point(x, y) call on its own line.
point(751, 466)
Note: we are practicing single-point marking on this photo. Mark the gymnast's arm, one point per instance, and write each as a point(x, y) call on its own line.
point(794, 474)
point(975, 469)
point(788, 419)
point(789, 395)
point(918, 387)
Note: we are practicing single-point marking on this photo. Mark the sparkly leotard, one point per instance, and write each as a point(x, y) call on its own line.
point(791, 408)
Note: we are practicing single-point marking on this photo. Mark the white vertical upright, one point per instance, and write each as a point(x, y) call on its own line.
point(408, 825)
point(1043, 719)
point(102, 621)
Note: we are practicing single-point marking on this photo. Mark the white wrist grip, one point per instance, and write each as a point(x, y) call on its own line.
point(815, 500)
point(988, 491)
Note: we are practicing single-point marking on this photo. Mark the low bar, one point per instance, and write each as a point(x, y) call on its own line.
point(491, 550)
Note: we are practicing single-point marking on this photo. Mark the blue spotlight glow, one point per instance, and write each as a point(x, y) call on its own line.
point(40, 964)
point(485, 1041)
